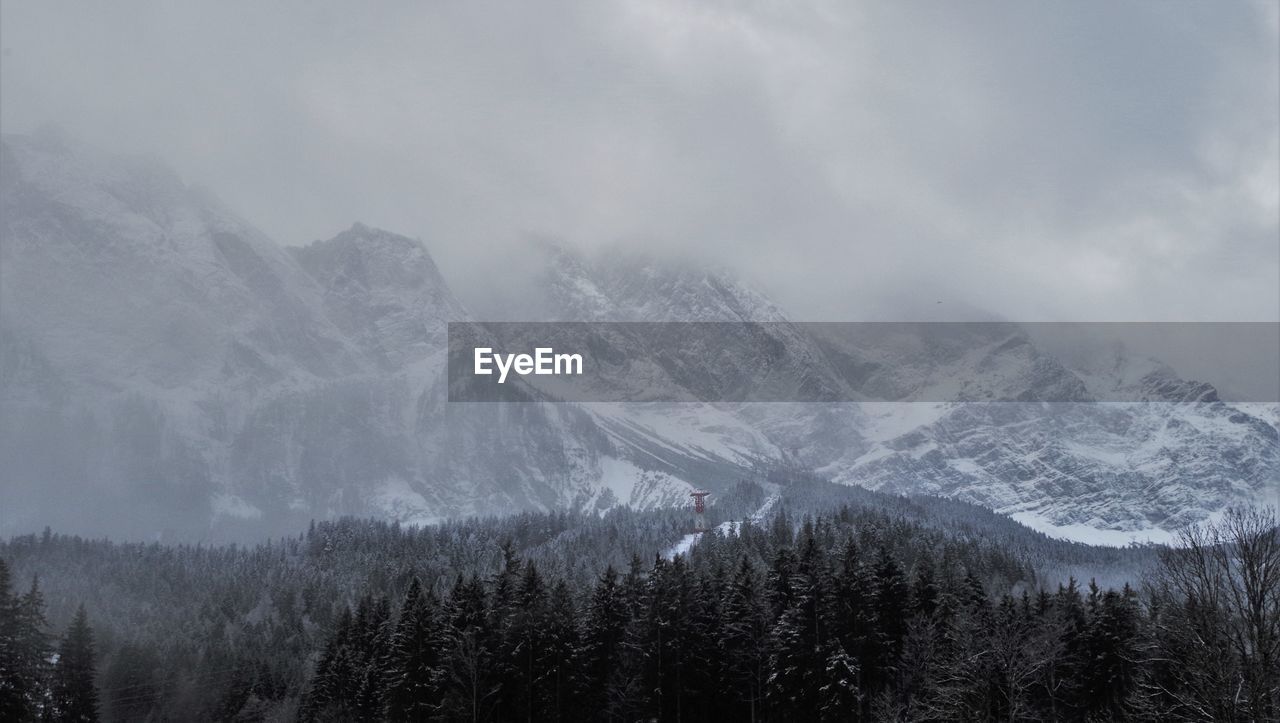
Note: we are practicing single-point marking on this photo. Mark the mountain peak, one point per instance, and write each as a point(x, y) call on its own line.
point(369, 256)
point(116, 248)
point(383, 289)
point(632, 287)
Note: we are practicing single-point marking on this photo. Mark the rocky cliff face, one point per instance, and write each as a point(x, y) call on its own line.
point(1089, 469)
point(166, 367)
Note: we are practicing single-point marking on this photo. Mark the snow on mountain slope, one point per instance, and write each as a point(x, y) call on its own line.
point(636, 288)
point(128, 277)
point(1132, 467)
point(163, 365)
point(1135, 468)
point(789, 364)
point(155, 317)
point(173, 368)
point(969, 362)
point(384, 291)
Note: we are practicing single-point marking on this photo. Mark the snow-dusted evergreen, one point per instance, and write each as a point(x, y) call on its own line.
point(878, 608)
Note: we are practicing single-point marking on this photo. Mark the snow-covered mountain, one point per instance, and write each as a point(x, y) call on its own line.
point(383, 292)
point(164, 365)
point(168, 367)
point(1075, 466)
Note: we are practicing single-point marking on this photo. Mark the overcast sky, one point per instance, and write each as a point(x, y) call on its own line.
point(1078, 161)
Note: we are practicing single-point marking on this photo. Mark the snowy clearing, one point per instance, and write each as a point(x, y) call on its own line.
point(687, 542)
point(683, 546)
point(1093, 535)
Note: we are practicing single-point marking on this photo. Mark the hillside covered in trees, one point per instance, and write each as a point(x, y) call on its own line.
point(836, 606)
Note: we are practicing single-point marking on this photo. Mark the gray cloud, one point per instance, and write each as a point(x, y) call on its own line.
point(1082, 161)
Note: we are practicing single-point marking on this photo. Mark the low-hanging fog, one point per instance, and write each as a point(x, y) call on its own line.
point(860, 162)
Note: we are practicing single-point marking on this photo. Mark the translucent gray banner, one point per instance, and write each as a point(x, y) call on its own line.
point(1202, 362)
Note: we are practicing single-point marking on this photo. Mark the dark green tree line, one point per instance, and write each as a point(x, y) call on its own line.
point(36, 682)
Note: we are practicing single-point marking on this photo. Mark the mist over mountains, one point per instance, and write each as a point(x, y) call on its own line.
point(166, 369)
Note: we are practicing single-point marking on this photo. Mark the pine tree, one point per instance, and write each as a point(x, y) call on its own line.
point(608, 614)
point(802, 639)
point(468, 684)
point(924, 591)
point(331, 687)
point(780, 589)
point(798, 665)
point(34, 645)
point(628, 693)
point(523, 649)
point(746, 641)
point(560, 657)
point(634, 590)
point(839, 695)
point(892, 602)
point(1111, 645)
point(666, 637)
point(414, 660)
point(371, 649)
point(607, 617)
point(13, 685)
point(24, 651)
point(705, 681)
point(74, 693)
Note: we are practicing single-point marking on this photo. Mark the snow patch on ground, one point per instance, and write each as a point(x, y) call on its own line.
point(637, 487)
point(724, 528)
point(683, 546)
point(1093, 535)
point(766, 508)
point(619, 476)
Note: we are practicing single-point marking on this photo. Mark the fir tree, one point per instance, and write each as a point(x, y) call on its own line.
point(74, 693)
point(414, 658)
point(24, 651)
point(802, 640)
point(468, 685)
point(331, 692)
point(892, 603)
point(13, 685)
point(746, 641)
point(561, 676)
point(523, 649)
point(608, 615)
point(1111, 645)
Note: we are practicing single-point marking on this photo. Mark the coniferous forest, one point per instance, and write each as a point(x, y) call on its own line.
point(654, 361)
point(867, 610)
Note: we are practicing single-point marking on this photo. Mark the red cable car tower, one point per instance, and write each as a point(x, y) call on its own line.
point(699, 510)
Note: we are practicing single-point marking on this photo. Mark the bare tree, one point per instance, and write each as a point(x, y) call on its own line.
point(1217, 603)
